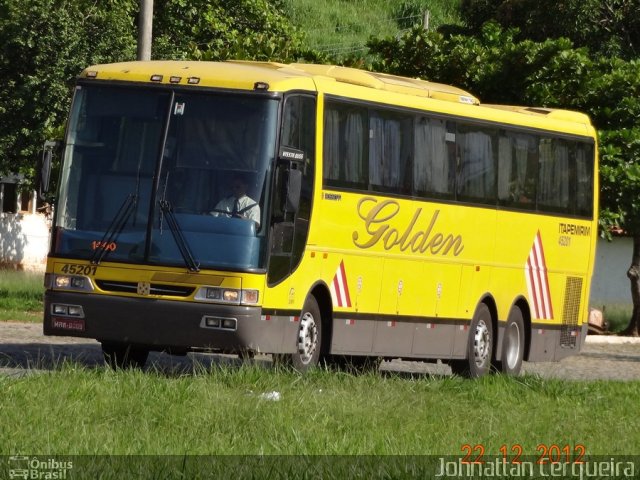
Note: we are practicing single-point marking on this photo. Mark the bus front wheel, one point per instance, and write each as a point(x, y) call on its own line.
point(308, 340)
point(479, 346)
point(124, 356)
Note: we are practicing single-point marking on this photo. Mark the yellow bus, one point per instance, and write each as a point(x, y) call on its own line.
point(319, 213)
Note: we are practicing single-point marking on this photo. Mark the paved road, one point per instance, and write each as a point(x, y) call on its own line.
point(24, 350)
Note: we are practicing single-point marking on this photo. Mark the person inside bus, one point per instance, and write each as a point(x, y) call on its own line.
point(238, 204)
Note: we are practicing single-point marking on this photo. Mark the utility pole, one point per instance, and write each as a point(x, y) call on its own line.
point(145, 28)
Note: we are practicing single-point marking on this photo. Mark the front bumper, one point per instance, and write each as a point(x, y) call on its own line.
point(168, 325)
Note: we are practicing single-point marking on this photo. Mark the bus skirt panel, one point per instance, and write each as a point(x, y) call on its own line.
point(163, 324)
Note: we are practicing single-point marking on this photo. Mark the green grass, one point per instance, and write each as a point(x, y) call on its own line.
point(618, 316)
point(76, 411)
point(21, 296)
point(341, 28)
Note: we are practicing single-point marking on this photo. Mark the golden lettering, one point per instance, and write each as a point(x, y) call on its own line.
point(435, 243)
point(455, 243)
point(372, 218)
point(377, 218)
point(403, 239)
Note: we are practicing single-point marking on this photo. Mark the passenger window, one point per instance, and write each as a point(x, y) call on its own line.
point(433, 161)
point(517, 170)
point(584, 183)
point(345, 146)
point(390, 152)
point(554, 175)
point(477, 149)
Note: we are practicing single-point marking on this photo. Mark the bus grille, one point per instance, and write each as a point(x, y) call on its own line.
point(156, 288)
point(571, 312)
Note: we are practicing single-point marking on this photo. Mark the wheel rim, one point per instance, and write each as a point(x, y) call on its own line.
point(513, 345)
point(307, 338)
point(481, 343)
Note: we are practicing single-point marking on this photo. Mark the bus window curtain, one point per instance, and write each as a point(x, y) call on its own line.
point(354, 147)
point(431, 166)
point(332, 145)
point(505, 161)
point(476, 172)
point(554, 173)
point(385, 153)
point(513, 152)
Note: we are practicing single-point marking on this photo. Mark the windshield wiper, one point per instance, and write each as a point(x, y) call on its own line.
point(114, 228)
point(176, 231)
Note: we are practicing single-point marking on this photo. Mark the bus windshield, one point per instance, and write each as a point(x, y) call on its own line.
point(148, 173)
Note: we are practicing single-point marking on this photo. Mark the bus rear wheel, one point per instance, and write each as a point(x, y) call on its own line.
point(124, 356)
point(479, 346)
point(513, 344)
point(308, 340)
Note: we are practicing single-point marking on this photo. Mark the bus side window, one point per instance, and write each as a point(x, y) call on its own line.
point(432, 162)
point(554, 175)
point(584, 177)
point(390, 155)
point(477, 163)
point(346, 141)
point(517, 169)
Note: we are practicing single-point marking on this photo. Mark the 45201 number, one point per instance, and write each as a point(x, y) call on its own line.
point(73, 269)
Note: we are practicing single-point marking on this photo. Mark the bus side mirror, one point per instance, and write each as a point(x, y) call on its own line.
point(45, 167)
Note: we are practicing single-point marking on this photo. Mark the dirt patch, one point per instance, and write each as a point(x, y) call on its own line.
point(24, 349)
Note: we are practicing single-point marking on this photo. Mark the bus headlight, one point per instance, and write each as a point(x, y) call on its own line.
point(212, 293)
point(63, 281)
point(219, 295)
point(70, 282)
point(231, 296)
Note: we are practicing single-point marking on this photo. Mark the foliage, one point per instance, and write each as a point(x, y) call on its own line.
point(341, 29)
point(45, 44)
point(620, 178)
point(608, 27)
point(220, 30)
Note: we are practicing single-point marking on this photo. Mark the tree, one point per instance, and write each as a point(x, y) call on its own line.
point(229, 29)
point(499, 66)
point(45, 44)
point(606, 27)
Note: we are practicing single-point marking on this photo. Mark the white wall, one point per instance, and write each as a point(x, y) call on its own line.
point(610, 283)
point(24, 240)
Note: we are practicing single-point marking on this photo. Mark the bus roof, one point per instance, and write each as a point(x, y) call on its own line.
point(273, 76)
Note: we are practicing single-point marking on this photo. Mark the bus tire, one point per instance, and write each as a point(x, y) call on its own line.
point(513, 344)
point(124, 356)
point(308, 339)
point(479, 346)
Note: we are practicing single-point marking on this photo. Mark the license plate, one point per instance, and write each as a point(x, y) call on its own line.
point(73, 324)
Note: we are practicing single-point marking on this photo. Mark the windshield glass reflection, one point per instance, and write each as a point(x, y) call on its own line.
point(212, 179)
